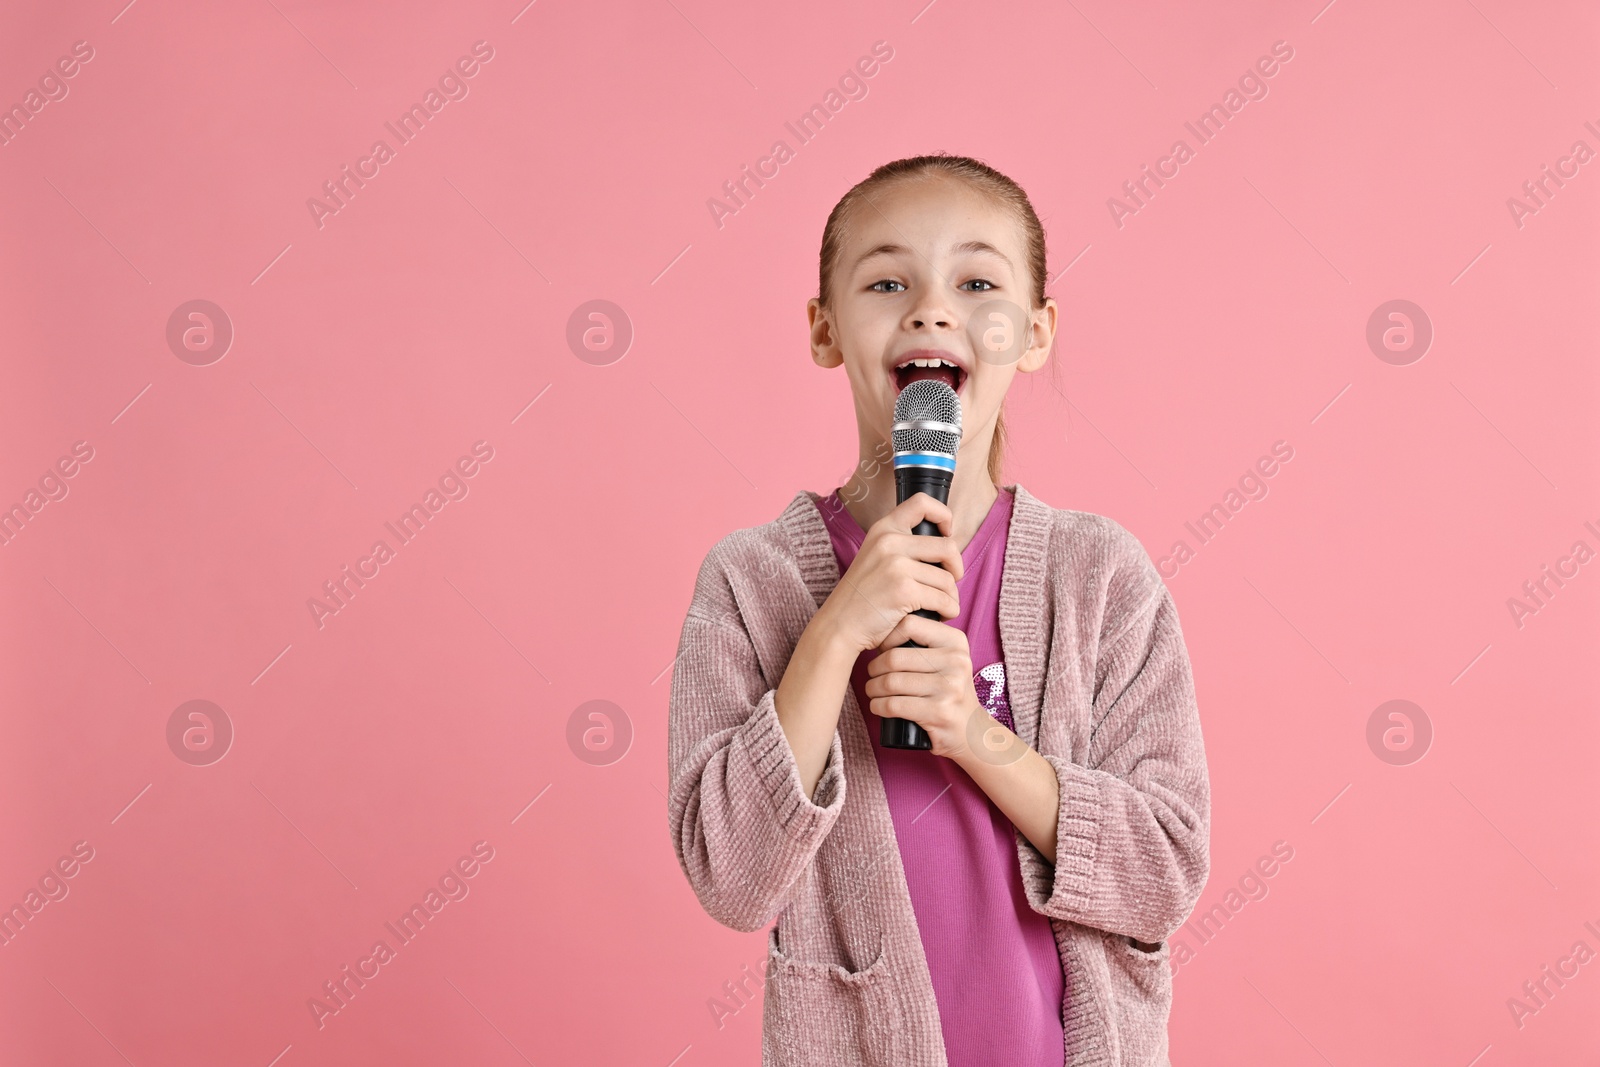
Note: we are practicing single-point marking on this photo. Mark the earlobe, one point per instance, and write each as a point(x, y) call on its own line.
point(1033, 359)
point(823, 352)
point(1045, 323)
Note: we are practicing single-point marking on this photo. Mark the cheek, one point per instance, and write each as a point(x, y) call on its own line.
point(981, 395)
point(875, 392)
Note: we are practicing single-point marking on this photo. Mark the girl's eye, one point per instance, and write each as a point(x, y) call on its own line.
point(986, 283)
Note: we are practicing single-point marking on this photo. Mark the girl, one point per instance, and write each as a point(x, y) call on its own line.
point(1006, 897)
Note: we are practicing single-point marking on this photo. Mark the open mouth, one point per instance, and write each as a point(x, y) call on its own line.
point(918, 369)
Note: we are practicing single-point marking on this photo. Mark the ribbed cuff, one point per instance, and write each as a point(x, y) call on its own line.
point(768, 751)
point(1077, 841)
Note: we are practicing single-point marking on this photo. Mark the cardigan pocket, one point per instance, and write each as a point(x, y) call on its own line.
point(823, 1013)
point(1141, 983)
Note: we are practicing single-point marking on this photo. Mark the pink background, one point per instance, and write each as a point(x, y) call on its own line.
point(431, 711)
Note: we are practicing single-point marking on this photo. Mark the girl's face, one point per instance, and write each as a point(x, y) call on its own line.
point(932, 269)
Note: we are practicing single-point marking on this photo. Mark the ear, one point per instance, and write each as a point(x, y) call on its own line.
point(1041, 338)
point(824, 347)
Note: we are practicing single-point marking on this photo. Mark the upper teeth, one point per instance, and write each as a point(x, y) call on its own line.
point(930, 363)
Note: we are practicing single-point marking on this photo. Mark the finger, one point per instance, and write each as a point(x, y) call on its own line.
point(929, 633)
point(920, 506)
point(909, 585)
point(936, 597)
point(935, 550)
point(934, 590)
point(901, 683)
point(903, 660)
point(899, 706)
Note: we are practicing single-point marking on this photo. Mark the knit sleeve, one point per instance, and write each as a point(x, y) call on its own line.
point(1133, 825)
point(743, 828)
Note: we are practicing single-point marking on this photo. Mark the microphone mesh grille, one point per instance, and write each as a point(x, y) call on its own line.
point(931, 401)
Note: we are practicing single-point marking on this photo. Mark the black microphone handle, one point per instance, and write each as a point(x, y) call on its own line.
point(908, 482)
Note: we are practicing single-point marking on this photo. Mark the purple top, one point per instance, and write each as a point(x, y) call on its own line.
point(997, 975)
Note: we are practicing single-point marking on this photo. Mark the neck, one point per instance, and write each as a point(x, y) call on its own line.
point(972, 494)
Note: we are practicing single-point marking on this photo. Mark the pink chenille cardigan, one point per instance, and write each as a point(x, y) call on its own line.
point(1099, 684)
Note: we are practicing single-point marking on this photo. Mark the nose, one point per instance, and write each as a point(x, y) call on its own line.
point(931, 312)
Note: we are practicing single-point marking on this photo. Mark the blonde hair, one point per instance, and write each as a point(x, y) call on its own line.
point(980, 176)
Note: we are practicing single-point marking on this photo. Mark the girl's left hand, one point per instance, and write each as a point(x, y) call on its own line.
point(931, 686)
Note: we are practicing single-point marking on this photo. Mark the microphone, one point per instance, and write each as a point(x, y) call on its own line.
point(927, 433)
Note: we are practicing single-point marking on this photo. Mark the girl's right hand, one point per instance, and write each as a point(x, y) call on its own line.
point(892, 575)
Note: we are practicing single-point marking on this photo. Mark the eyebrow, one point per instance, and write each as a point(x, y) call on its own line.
point(982, 247)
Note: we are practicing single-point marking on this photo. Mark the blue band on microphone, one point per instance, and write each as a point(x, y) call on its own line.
point(924, 459)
